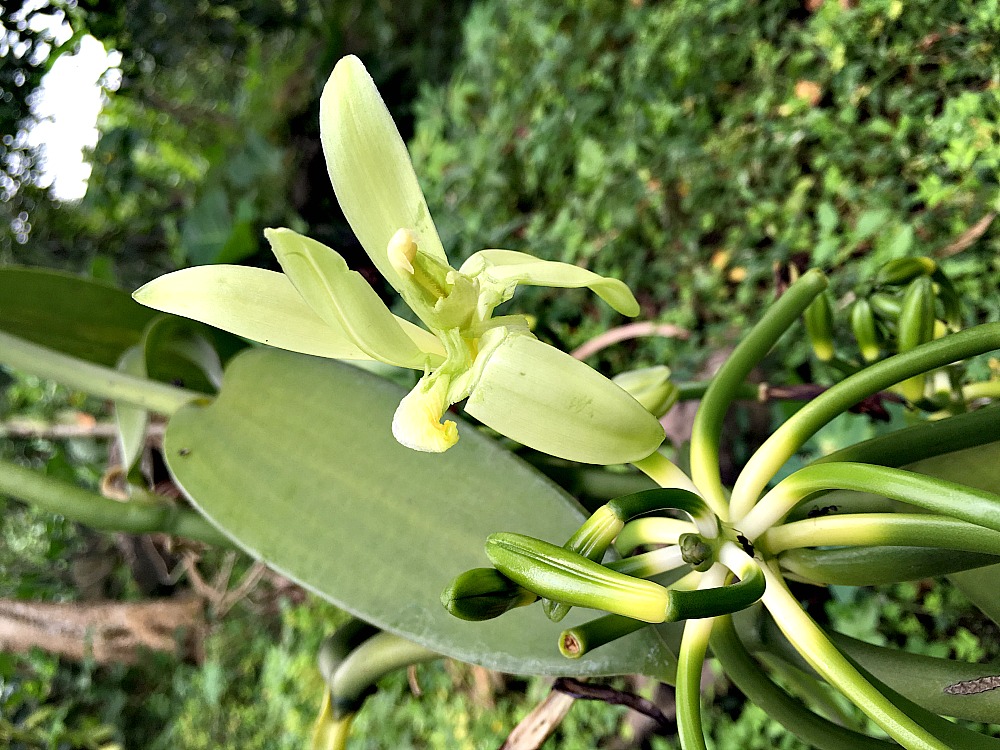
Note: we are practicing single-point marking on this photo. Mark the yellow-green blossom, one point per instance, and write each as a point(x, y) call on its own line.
point(513, 382)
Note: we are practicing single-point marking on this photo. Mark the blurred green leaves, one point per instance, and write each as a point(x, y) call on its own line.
point(644, 141)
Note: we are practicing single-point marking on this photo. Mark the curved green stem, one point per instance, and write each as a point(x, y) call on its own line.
point(628, 507)
point(749, 677)
point(337, 647)
point(96, 380)
point(811, 642)
point(691, 658)
point(788, 438)
point(937, 495)
point(707, 428)
point(653, 530)
point(91, 509)
point(881, 529)
point(330, 732)
point(376, 657)
point(713, 600)
point(665, 472)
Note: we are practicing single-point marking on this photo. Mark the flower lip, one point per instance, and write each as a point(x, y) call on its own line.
point(417, 421)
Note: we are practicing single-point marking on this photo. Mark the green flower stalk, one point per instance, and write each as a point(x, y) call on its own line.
point(651, 531)
point(598, 532)
point(513, 382)
point(582, 639)
point(570, 578)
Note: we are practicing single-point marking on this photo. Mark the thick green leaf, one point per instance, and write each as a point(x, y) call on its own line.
point(76, 316)
point(980, 587)
point(181, 351)
point(927, 679)
point(295, 462)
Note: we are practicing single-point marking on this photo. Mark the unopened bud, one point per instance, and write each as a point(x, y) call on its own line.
point(651, 387)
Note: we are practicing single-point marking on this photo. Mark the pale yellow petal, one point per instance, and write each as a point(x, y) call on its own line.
point(345, 300)
point(545, 399)
point(417, 422)
point(370, 167)
point(250, 302)
point(506, 268)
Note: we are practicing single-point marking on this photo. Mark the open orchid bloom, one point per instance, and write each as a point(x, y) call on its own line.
point(514, 383)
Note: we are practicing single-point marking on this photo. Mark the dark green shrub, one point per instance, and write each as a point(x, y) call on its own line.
point(688, 146)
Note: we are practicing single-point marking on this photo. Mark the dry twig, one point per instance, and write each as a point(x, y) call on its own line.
point(626, 332)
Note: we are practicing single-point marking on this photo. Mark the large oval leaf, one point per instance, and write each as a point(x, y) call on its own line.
point(295, 461)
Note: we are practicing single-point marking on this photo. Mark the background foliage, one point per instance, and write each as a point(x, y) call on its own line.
point(685, 147)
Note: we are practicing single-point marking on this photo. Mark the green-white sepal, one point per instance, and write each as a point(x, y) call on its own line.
point(502, 270)
point(345, 301)
point(545, 399)
point(370, 167)
point(262, 306)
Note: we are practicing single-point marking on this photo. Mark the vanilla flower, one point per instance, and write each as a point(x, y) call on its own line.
point(514, 383)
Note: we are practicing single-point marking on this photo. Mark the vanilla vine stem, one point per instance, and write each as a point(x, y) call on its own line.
point(97, 380)
point(937, 495)
point(137, 516)
point(707, 428)
point(880, 529)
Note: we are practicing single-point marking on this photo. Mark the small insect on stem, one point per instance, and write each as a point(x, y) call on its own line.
point(824, 511)
point(746, 544)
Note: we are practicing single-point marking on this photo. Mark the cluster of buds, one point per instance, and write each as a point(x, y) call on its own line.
point(909, 302)
point(527, 570)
